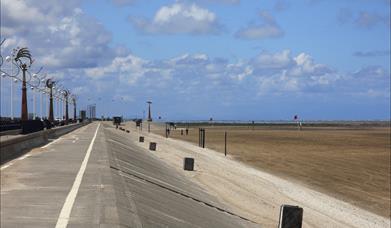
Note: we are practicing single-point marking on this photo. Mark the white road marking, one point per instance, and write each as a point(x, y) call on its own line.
point(11, 163)
point(6, 166)
point(75, 139)
point(65, 213)
point(51, 143)
point(24, 156)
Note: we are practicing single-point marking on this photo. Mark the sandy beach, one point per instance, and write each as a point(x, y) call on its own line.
point(256, 194)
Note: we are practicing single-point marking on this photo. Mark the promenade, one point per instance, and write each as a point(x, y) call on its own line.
point(96, 177)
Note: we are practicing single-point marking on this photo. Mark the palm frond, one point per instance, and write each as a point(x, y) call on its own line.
point(24, 53)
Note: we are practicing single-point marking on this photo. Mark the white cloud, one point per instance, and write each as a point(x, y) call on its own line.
point(268, 28)
point(58, 34)
point(11, 13)
point(180, 18)
point(305, 65)
point(129, 68)
point(265, 74)
point(273, 60)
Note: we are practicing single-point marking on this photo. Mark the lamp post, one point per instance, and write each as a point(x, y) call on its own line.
point(21, 58)
point(56, 103)
point(66, 94)
point(149, 115)
point(50, 83)
point(22, 55)
point(41, 104)
point(24, 114)
point(12, 94)
point(149, 111)
point(34, 101)
point(37, 88)
point(74, 108)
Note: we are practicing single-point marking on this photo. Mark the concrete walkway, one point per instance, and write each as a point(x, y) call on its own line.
point(99, 178)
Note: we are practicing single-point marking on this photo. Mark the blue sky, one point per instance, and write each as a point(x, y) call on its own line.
point(226, 59)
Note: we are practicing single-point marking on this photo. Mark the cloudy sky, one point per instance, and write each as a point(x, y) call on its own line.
point(226, 59)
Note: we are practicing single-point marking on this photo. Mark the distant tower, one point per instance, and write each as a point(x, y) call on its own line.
point(149, 110)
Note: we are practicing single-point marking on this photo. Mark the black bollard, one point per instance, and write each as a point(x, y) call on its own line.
point(188, 164)
point(225, 143)
point(181, 132)
point(152, 146)
point(127, 131)
point(141, 139)
point(203, 138)
point(199, 137)
point(290, 216)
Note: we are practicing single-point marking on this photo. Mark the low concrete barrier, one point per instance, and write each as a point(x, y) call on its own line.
point(17, 146)
point(59, 131)
point(11, 132)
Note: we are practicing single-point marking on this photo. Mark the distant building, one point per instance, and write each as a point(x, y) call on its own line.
point(82, 114)
point(91, 111)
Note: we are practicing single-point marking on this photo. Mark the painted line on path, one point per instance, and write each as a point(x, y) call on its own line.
point(23, 157)
point(6, 166)
point(65, 213)
point(54, 141)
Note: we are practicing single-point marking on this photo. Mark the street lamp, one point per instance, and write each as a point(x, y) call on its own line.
point(149, 111)
point(23, 61)
point(74, 107)
point(149, 115)
point(50, 84)
point(35, 87)
point(21, 58)
point(66, 93)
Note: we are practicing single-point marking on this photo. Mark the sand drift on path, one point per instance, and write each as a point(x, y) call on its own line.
point(255, 194)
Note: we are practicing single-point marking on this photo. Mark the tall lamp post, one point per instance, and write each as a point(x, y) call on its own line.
point(36, 87)
point(21, 56)
point(149, 111)
point(149, 115)
point(74, 108)
point(50, 83)
point(66, 94)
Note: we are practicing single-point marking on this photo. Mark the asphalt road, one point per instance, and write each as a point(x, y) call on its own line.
point(96, 177)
